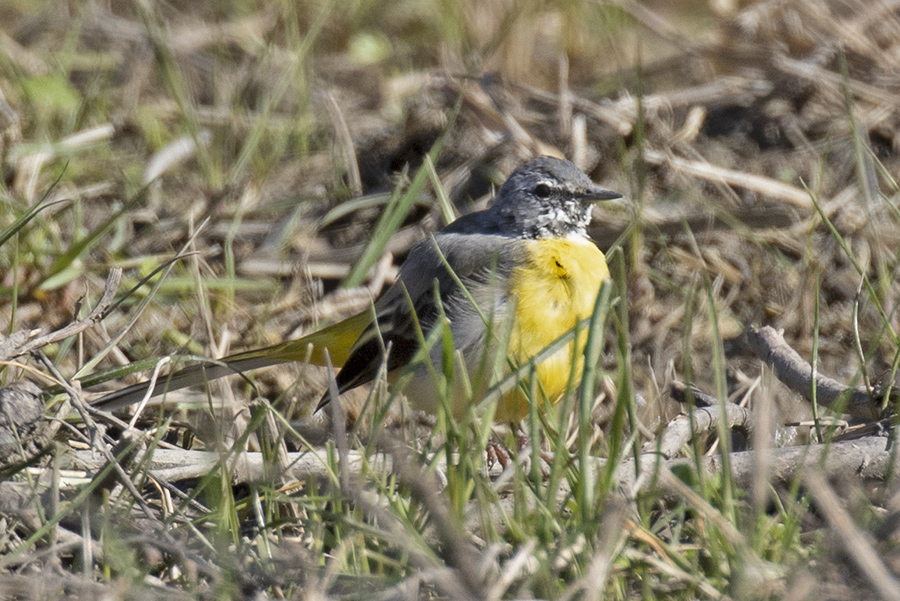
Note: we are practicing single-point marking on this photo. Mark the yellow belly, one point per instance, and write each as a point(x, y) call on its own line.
point(554, 289)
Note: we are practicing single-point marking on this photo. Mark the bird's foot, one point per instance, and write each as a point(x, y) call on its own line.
point(496, 452)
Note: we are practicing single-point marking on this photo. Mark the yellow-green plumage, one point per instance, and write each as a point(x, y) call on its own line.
point(555, 289)
point(337, 339)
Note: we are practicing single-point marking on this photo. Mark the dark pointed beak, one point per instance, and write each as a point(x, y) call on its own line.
point(597, 194)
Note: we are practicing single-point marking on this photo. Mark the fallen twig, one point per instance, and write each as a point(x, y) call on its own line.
point(705, 419)
point(868, 458)
point(760, 184)
point(17, 344)
point(770, 346)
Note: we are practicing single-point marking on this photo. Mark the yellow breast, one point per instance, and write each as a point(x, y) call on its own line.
point(554, 288)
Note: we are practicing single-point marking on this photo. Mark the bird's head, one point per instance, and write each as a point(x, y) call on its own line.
point(548, 198)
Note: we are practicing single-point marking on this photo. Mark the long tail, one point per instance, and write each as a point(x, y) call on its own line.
point(337, 339)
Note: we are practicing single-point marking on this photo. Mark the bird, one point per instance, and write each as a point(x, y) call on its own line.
point(503, 282)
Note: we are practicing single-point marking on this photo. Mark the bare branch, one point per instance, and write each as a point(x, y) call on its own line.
point(770, 346)
point(706, 419)
point(869, 458)
point(17, 344)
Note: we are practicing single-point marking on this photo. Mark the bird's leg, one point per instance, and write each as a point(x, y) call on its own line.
point(497, 452)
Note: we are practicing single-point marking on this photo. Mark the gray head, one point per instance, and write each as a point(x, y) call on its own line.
point(546, 198)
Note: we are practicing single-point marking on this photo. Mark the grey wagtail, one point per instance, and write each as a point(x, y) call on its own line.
point(526, 261)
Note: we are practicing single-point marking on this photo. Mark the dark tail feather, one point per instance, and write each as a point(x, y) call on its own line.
point(189, 376)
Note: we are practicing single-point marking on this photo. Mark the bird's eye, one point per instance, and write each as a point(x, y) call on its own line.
point(542, 191)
